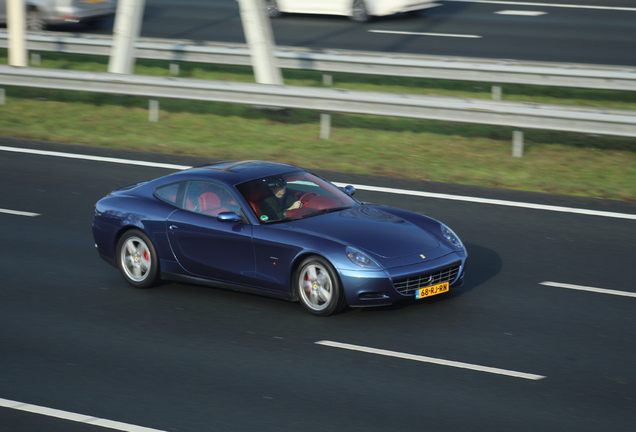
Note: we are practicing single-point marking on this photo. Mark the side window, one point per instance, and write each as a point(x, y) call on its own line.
point(209, 198)
point(168, 193)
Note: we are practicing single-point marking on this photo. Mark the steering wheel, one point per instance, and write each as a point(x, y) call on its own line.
point(304, 198)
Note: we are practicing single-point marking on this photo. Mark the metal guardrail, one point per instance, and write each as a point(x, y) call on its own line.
point(514, 114)
point(406, 65)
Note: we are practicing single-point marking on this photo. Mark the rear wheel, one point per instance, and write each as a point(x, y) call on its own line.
point(318, 287)
point(137, 259)
point(359, 11)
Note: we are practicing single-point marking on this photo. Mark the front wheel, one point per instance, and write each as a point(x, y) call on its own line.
point(318, 287)
point(137, 259)
point(272, 8)
point(359, 11)
point(34, 21)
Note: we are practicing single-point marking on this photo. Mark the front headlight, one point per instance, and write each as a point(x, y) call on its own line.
point(361, 259)
point(451, 236)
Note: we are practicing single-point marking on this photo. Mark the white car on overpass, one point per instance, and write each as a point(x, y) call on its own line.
point(357, 10)
point(42, 13)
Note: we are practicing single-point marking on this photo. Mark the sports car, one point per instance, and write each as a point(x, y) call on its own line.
point(277, 230)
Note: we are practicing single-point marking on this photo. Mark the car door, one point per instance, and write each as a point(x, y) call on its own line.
point(274, 251)
point(207, 247)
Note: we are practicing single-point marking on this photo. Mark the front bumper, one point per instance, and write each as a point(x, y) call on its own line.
point(72, 14)
point(400, 6)
point(377, 288)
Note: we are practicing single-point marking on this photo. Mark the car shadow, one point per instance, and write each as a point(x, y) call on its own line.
point(482, 265)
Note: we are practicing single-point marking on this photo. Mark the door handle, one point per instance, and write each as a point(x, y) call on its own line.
point(173, 227)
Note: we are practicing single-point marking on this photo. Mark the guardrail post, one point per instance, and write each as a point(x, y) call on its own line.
point(325, 125)
point(3, 98)
point(496, 92)
point(517, 143)
point(153, 110)
point(325, 117)
point(174, 68)
point(36, 59)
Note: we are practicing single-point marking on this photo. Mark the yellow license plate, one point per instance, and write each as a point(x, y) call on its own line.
point(432, 290)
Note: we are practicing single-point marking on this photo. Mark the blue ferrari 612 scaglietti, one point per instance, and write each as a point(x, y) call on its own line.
point(276, 230)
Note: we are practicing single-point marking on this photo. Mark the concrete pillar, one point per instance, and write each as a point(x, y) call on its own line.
point(125, 33)
point(16, 28)
point(260, 40)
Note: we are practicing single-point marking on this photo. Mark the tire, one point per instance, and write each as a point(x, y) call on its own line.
point(34, 21)
point(94, 22)
point(137, 259)
point(272, 8)
point(359, 11)
point(318, 287)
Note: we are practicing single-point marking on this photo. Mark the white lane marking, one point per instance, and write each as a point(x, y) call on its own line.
point(520, 13)
point(78, 418)
point(18, 213)
point(93, 158)
point(570, 6)
point(494, 201)
point(591, 289)
point(430, 360)
point(360, 187)
point(426, 34)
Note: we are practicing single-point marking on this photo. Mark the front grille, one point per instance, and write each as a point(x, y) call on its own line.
point(409, 285)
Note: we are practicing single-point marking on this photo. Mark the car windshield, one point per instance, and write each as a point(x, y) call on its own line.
point(292, 196)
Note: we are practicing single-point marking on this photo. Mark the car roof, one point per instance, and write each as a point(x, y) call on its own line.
point(235, 172)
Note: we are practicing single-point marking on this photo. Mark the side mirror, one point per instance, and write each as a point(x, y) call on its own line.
point(228, 217)
point(349, 190)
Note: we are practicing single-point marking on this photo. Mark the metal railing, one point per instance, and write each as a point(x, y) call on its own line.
point(496, 72)
point(406, 65)
point(513, 114)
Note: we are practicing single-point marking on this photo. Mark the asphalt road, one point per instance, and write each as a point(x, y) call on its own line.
point(580, 31)
point(75, 337)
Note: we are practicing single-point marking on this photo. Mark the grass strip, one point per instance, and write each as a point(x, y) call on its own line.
point(554, 162)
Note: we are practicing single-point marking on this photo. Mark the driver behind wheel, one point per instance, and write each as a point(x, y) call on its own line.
point(278, 201)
